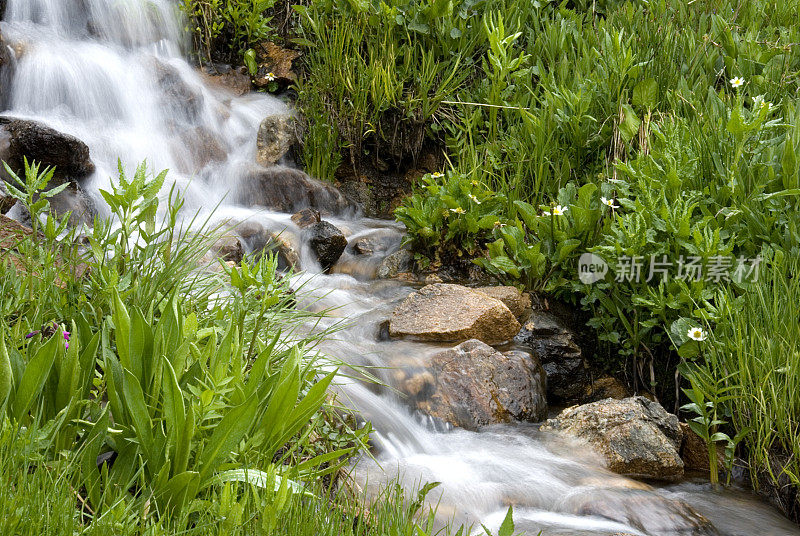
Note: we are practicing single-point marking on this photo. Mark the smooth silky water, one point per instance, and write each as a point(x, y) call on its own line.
point(106, 71)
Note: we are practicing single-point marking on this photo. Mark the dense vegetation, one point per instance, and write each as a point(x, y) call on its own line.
point(662, 131)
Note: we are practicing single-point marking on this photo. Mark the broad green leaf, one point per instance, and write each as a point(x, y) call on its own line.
point(6, 374)
point(174, 410)
point(90, 450)
point(36, 373)
point(645, 93)
point(629, 126)
point(122, 323)
point(303, 412)
point(259, 479)
point(507, 527)
point(226, 436)
point(527, 213)
point(138, 413)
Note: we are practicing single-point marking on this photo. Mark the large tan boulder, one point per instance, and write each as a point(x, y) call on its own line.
point(636, 436)
point(516, 301)
point(453, 313)
point(474, 385)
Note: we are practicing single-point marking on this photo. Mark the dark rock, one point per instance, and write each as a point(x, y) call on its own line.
point(289, 190)
point(606, 387)
point(453, 313)
point(177, 95)
point(636, 436)
point(547, 337)
point(327, 242)
point(75, 201)
point(46, 146)
point(306, 217)
point(6, 201)
point(276, 135)
point(202, 147)
point(474, 385)
point(645, 510)
point(377, 242)
point(694, 452)
point(228, 248)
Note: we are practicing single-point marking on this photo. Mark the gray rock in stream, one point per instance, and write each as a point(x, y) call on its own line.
point(636, 436)
point(644, 510)
point(327, 242)
point(474, 385)
point(289, 190)
point(21, 138)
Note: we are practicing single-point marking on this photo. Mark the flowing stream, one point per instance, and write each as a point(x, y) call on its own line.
point(106, 71)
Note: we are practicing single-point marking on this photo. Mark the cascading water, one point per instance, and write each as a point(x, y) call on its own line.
point(111, 73)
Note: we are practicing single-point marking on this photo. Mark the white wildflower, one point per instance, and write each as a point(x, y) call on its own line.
point(696, 334)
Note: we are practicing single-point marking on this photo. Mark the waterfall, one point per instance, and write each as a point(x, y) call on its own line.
point(113, 73)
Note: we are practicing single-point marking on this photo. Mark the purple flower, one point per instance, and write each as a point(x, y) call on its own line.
point(66, 335)
point(32, 334)
point(66, 346)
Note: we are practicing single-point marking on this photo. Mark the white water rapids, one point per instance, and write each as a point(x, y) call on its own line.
point(95, 69)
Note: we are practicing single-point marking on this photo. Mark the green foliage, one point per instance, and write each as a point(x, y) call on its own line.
point(377, 76)
point(228, 29)
point(448, 216)
point(208, 390)
point(748, 369)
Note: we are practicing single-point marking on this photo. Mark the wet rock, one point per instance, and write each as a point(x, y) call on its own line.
point(327, 242)
point(289, 190)
point(606, 387)
point(452, 313)
point(376, 242)
point(46, 146)
point(276, 135)
point(257, 239)
point(473, 385)
point(516, 301)
point(636, 436)
point(6, 201)
point(228, 248)
point(394, 264)
point(275, 64)
point(201, 146)
point(547, 337)
point(645, 510)
point(236, 80)
point(76, 202)
point(184, 102)
point(306, 217)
